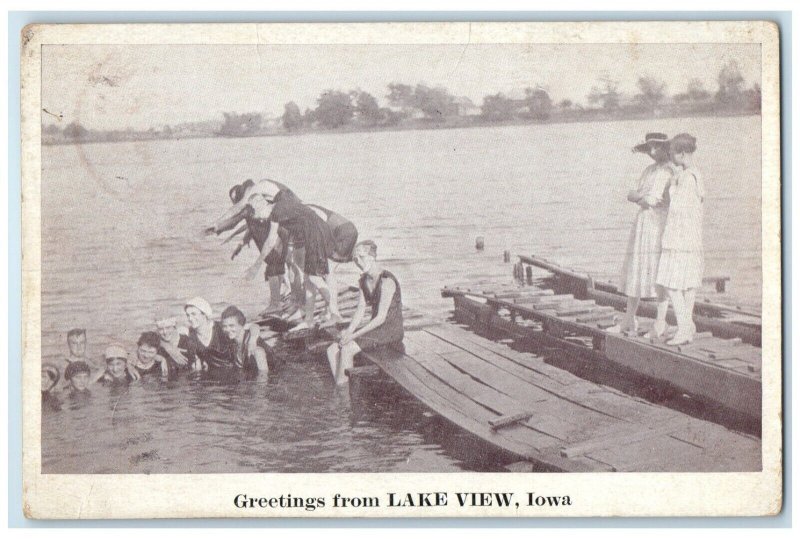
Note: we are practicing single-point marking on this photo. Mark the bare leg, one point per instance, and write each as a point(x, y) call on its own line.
point(346, 355)
point(274, 293)
point(683, 334)
point(660, 325)
point(315, 284)
point(690, 296)
point(629, 322)
point(333, 288)
point(333, 357)
point(297, 261)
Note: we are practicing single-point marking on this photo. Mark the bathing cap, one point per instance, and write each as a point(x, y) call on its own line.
point(202, 305)
point(115, 351)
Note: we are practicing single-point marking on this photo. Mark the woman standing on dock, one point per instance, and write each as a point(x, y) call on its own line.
point(305, 227)
point(345, 237)
point(644, 243)
point(680, 269)
point(381, 291)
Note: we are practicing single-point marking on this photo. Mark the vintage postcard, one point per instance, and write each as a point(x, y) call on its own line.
point(401, 270)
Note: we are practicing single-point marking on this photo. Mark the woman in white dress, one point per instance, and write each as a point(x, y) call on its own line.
point(638, 279)
point(680, 269)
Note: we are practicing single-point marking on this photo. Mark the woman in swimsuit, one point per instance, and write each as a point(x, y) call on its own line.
point(252, 353)
point(148, 361)
point(345, 237)
point(306, 227)
point(207, 342)
point(381, 291)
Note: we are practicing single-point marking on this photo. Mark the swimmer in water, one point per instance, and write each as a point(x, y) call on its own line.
point(207, 342)
point(148, 361)
point(78, 374)
point(117, 371)
point(174, 344)
point(50, 377)
point(252, 352)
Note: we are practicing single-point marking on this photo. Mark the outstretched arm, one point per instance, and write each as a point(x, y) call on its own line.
point(347, 334)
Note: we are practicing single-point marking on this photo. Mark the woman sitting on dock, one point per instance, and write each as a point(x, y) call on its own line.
point(380, 290)
point(644, 243)
point(680, 269)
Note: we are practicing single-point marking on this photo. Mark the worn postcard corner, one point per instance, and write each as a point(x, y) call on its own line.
point(401, 270)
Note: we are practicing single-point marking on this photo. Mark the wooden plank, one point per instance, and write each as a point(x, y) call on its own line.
point(467, 413)
point(552, 415)
point(540, 301)
point(667, 453)
point(597, 313)
point(526, 366)
point(516, 439)
point(701, 306)
point(624, 435)
point(519, 293)
point(578, 307)
point(700, 378)
point(506, 420)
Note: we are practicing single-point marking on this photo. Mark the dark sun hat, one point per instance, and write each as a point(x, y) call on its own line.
point(650, 140)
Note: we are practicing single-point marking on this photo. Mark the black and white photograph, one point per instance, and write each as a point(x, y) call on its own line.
point(498, 251)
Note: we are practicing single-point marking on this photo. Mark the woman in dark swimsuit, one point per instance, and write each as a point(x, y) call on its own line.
point(207, 342)
point(305, 226)
point(381, 291)
point(345, 237)
point(148, 361)
point(252, 353)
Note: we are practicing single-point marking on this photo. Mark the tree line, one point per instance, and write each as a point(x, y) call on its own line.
point(423, 105)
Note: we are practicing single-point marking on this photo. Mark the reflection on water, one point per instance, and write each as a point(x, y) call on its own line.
point(121, 239)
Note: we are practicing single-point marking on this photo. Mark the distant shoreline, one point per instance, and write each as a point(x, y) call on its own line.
point(409, 125)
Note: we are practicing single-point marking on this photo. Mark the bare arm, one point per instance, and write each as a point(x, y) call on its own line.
point(261, 360)
point(164, 366)
point(358, 315)
point(634, 196)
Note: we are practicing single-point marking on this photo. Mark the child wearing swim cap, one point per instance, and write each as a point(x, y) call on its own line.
point(116, 372)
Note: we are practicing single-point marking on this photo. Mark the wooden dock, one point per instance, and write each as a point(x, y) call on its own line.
point(728, 321)
point(722, 371)
point(550, 419)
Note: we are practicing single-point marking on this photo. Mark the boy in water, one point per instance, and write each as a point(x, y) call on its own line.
point(76, 341)
point(148, 361)
point(116, 372)
point(78, 375)
point(252, 352)
point(174, 344)
point(50, 378)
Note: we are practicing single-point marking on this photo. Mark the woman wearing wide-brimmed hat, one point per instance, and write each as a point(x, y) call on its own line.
point(638, 279)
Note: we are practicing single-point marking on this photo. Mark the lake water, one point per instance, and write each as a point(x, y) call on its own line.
point(122, 238)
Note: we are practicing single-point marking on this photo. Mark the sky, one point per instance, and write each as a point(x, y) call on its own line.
point(143, 86)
